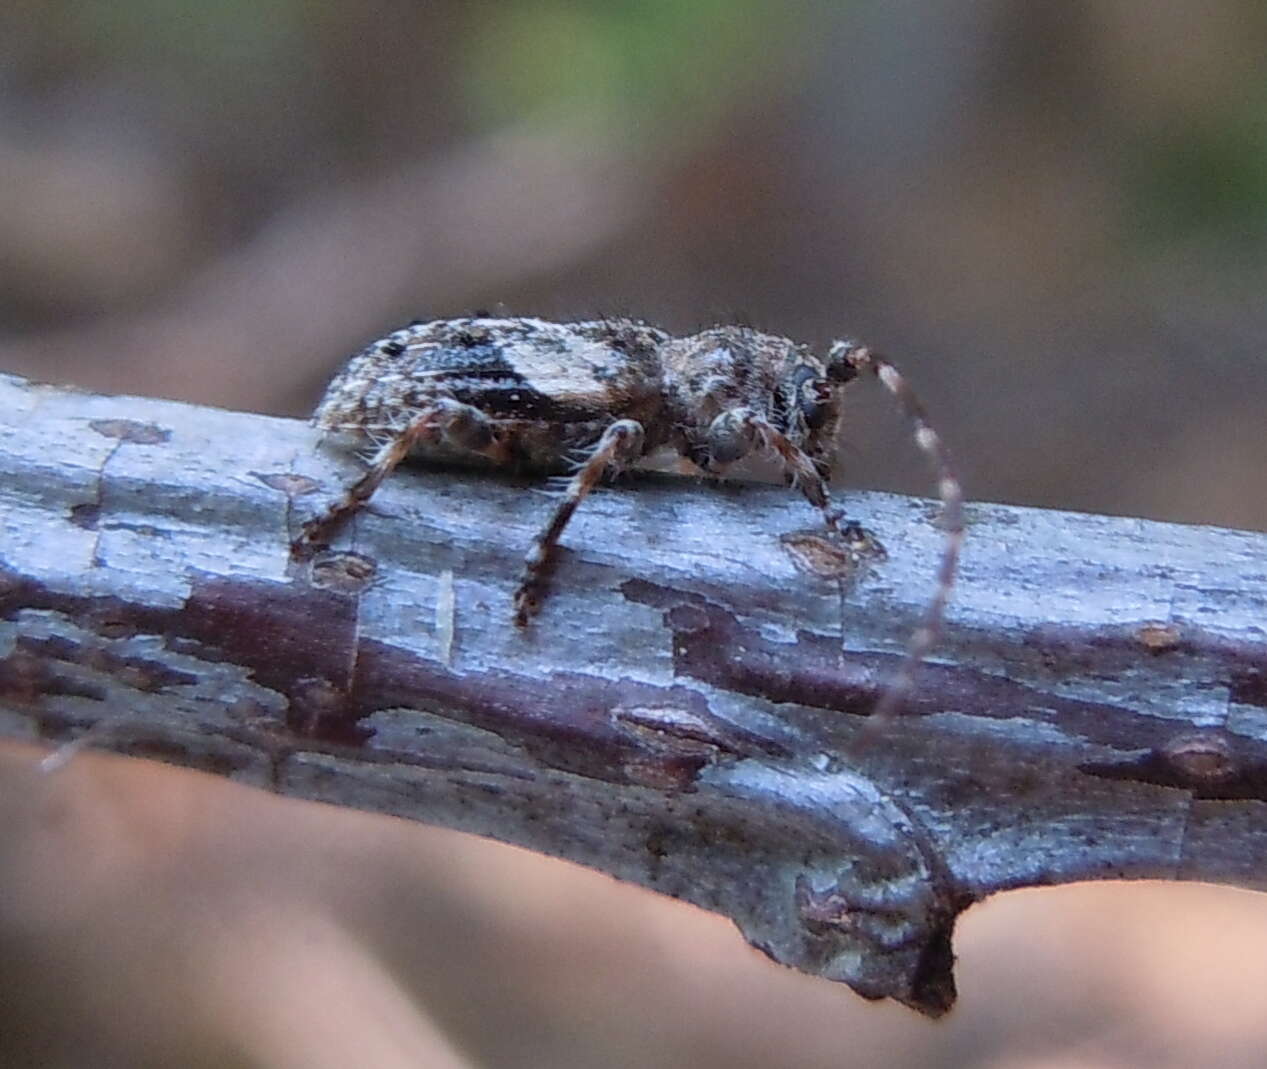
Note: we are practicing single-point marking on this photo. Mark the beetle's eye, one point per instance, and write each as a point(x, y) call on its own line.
point(811, 393)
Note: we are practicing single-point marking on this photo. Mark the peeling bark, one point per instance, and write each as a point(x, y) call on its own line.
point(690, 710)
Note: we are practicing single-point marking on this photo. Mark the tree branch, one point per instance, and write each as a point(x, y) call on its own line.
point(689, 712)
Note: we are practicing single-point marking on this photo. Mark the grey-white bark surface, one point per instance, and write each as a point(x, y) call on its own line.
point(690, 710)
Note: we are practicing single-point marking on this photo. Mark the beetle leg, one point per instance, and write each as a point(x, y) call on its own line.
point(738, 431)
point(620, 444)
point(442, 420)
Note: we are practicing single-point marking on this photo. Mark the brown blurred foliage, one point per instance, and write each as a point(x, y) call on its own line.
point(1053, 216)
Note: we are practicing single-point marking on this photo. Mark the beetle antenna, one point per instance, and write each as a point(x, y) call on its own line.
point(950, 492)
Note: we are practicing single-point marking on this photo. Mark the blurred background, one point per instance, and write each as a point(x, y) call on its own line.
point(1053, 217)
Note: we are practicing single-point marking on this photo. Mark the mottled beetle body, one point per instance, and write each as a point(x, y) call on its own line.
point(592, 398)
point(545, 390)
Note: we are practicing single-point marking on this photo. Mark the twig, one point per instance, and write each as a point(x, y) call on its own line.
point(688, 711)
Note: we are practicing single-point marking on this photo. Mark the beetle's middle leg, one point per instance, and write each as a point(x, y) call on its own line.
point(442, 420)
point(620, 445)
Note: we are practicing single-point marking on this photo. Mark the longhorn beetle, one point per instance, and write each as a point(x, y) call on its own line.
point(590, 398)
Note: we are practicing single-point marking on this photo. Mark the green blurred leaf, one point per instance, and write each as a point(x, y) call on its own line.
point(626, 61)
point(1206, 178)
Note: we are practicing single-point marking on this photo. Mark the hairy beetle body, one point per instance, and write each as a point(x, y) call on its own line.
point(594, 397)
point(546, 389)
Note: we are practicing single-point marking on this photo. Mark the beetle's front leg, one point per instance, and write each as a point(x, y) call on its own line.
point(620, 445)
point(738, 431)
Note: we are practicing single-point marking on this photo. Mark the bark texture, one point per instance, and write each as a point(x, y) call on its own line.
point(690, 710)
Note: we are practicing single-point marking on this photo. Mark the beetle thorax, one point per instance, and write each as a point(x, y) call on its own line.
point(711, 376)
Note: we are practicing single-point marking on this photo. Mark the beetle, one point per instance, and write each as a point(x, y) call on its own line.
point(591, 398)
